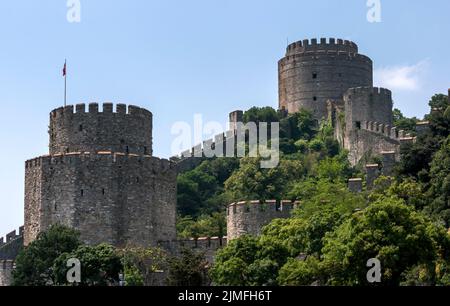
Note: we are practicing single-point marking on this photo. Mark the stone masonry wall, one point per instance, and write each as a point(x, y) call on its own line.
point(208, 245)
point(6, 268)
point(363, 142)
point(250, 217)
point(368, 104)
point(109, 197)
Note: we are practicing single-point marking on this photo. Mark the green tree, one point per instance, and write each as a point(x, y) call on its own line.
point(403, 123)
point(205, 226)
point(439, 190)
point(34, 264)
point(246, 261)
point(188, 269)
point(439, 101)
point(251, 182)
point(143, 266)
point(100, 265)
point(298, 272)
point(200, 191)
point(388, 230)
point(261, 114)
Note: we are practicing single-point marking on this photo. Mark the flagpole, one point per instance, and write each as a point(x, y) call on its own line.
point(65, 83)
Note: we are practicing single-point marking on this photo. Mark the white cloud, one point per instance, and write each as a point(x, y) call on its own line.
point(407, 78)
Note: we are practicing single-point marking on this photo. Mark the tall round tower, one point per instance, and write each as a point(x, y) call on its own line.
point(101, 179)
point(314, 72)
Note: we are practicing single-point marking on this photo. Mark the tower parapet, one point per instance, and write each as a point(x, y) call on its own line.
point(75, 129)
point(322, 45)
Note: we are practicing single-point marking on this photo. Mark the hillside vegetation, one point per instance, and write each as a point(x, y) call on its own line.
point(403, 222)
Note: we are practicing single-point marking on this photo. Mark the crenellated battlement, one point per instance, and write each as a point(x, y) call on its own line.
point(386, 130)
point(367, 90)
point(206, 245)
point(11, 244)
point(200, 242)
point(87, 128)
point(206, 147)
point(324, 44)
point(11, 236)
point(76, 158)
point(262, 206)
point(94, 109)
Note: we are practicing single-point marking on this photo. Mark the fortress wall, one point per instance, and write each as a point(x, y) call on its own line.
point(127, 130)
point(363, 142)
point(250, 217)
point(219, 146)
point(207, 245)
point(115, 198)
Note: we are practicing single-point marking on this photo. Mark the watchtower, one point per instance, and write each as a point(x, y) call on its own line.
point(314, 72)
point(101, 178)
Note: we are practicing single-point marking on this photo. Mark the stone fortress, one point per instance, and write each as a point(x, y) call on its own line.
point(100, 176)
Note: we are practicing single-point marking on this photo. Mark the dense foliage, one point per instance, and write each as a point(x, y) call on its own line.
point(189, 268)
point(402, 222)
point(34, 264)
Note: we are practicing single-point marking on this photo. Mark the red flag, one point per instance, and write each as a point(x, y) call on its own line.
point(64, 69)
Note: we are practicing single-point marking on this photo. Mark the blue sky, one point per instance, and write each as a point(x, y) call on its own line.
point(179, 58)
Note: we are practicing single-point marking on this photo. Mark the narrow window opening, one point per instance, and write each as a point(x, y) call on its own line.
point(80, 128)
point(127, 149)
point(137, 179)
point(358, 125)
point(56, 207)
point(145, 150)
point(103, 191)
point(314, 76)
point(278, 206)
point(315, 98)
point(82, 192)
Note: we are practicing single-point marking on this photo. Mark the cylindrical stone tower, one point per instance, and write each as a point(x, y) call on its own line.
point(101, 179)
point(314, 72)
